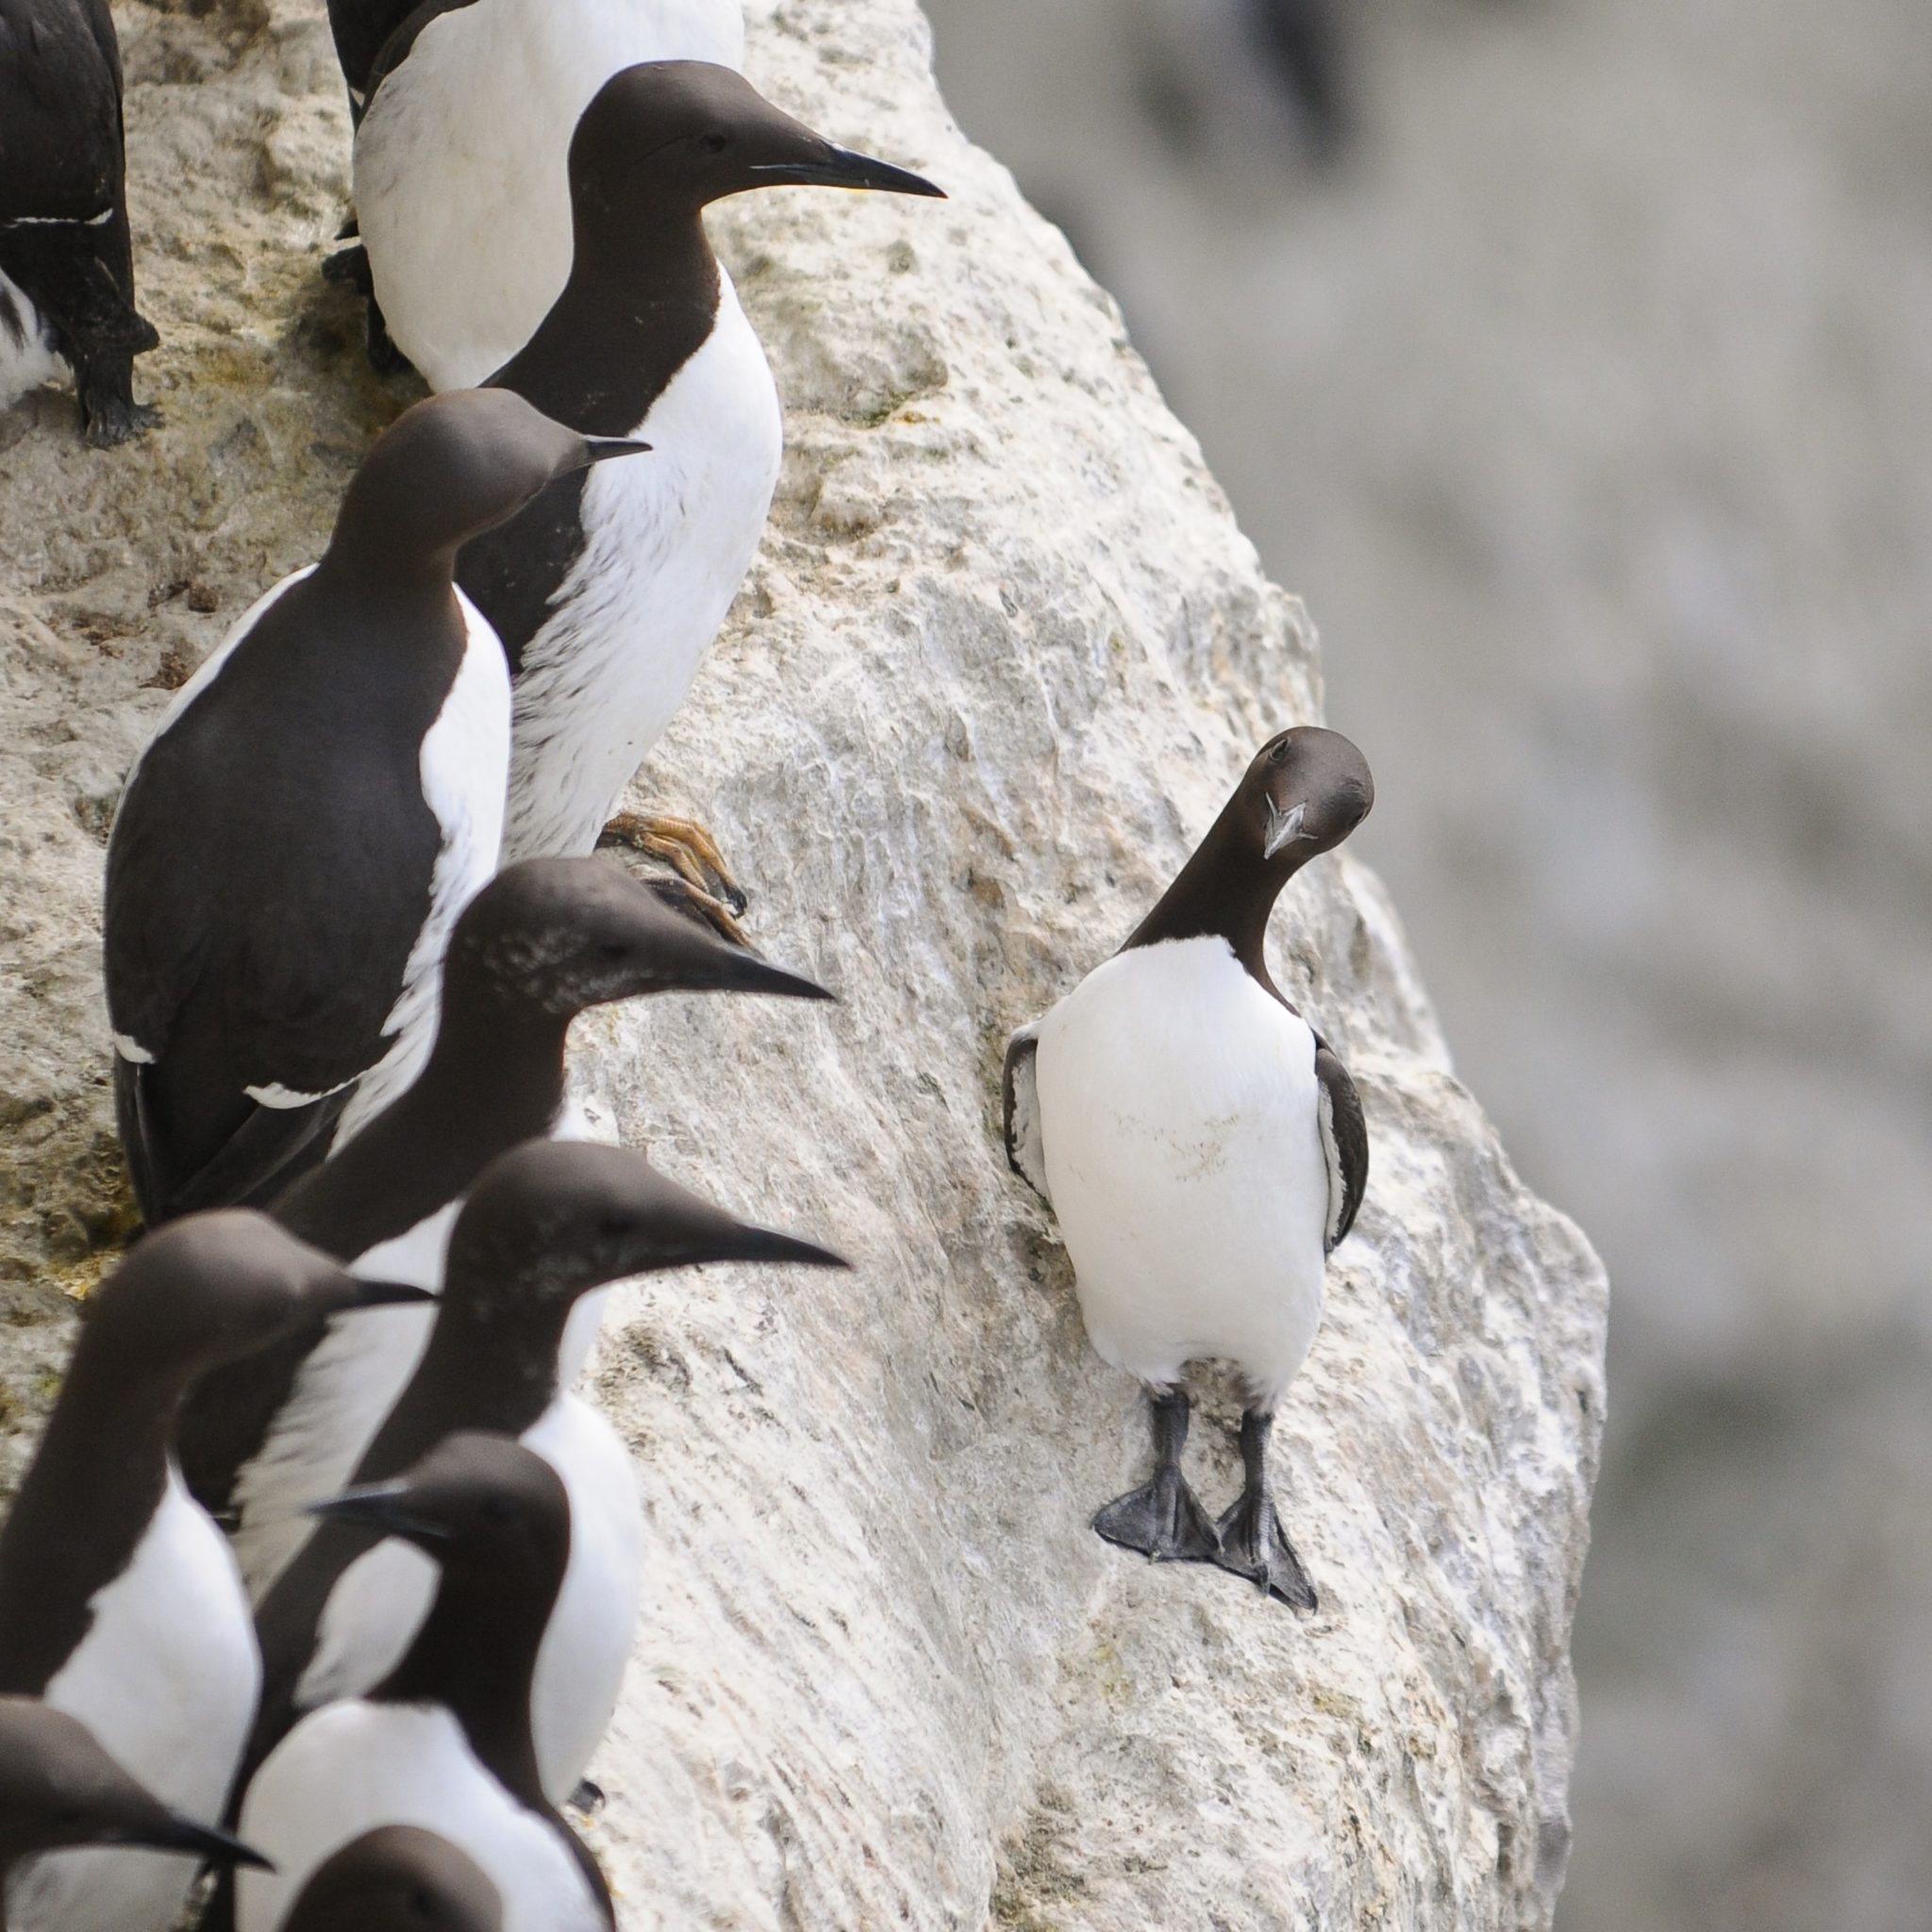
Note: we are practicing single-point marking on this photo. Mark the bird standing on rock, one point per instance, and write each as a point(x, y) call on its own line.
point(540, 944)
point(66, 257)
point(444, 1741)
point(58, 1792)
point(317, 805)
point(544, 1231)
point(1204, 1148)
point(119, 1601)
point(607, 595)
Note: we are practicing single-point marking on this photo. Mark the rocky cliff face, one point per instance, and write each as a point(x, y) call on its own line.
point(1001, 657)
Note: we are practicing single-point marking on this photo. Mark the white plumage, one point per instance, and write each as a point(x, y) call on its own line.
point(667, 542)
point(374, 1610)
point(27, 356)
point(461, 189)
point(1178, 1122)
point(167, 1679)
point(357, 1766)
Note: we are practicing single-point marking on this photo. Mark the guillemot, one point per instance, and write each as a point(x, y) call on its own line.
point(317, 805)
point(119, 1601)
point(66, 255)
point(397, 1879)
point(538, 944)
point(59, 1791)
point(444, 1743)
point(606, 596)
point(544, 1230)
point(1204, 1148)
point(467, 238)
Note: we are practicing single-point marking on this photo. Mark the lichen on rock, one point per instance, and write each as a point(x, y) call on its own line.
point(999, 661)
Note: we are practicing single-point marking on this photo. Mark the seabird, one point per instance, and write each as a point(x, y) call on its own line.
point(119, 1601)
point(66, 258)
point(397, 1879)
point(318, 804)
point(606, 596)
point(464, 111)
point(1204, 1148)
point(543, 1232)
point(444, 1743)
point(58, 1789)
point(538, 944)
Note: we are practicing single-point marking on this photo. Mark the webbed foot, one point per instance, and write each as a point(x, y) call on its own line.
point(688, 848)
point(1163, 1520)
point(1252, 1540)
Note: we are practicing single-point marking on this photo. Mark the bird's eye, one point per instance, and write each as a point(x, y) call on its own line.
point(1279, 755)
point(498, 1510)
point(715, 143)
point(613, 952)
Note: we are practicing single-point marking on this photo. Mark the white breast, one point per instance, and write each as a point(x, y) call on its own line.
point(167, 1679)
point(461, 187)
point(379, 1603)
point(668, 540)
point(1179, 1125)
point(355, 1767)
point(26, 350)
point(464, 758)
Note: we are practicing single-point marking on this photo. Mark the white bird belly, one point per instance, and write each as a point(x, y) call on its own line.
point(461, 185)
point(27, 356)
point(463, 766)
point(1178, 1115)
point(668, 540)
point(355, 1767)
point(588, 1642)
point(167, 1679)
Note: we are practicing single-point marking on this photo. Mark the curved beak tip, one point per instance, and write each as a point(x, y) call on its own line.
point(390, 1294)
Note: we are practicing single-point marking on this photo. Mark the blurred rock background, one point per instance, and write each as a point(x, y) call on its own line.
point(1575, 362)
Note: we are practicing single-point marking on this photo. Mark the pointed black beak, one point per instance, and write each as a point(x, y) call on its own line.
point(600, 449)
point(734, 970)
point(388, 1294)
point(766, 1245)
point(379, 1505)
point(839, 167)
point(176, 1833)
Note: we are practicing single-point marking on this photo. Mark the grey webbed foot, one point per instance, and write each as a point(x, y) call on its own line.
point(1163, 1520)
point(108, 411)
point(1252, 1540)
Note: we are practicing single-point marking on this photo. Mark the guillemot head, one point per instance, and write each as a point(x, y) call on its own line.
point(1304, 792)
point(551, 1219)
point(59, 1789)
point(398, 1879)
point(681, 134)
point(563, 933)
point(213, 1287)
point(479, 1503)
point(447, 469)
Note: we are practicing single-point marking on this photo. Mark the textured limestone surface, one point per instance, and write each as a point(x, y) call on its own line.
point(998, 662)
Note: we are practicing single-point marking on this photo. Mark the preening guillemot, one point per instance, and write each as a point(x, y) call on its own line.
point(606, 596)
point(119, 1601)
point(538, 944)
point(461, 194)
point(546, 1227)
point(59, 1791)
point(444, 1743)
point(318, 804)
point(66, 258)
point(397, 1879)
point(1203, 1148)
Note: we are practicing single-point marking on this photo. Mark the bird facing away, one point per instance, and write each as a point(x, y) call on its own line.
point(66, 257)
point(538, 944)
point(444, 1743)
point(607, 596)
point(1204, 1149)
point(397, 1879)
point(59, 1791)
point(119, 1601)
point(545, 1228)
point(316, 807)
point(466, 110)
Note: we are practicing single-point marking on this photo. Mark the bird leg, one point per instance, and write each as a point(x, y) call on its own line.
point(1253, 1542)
point(686, 847)
point(1163, 1520)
